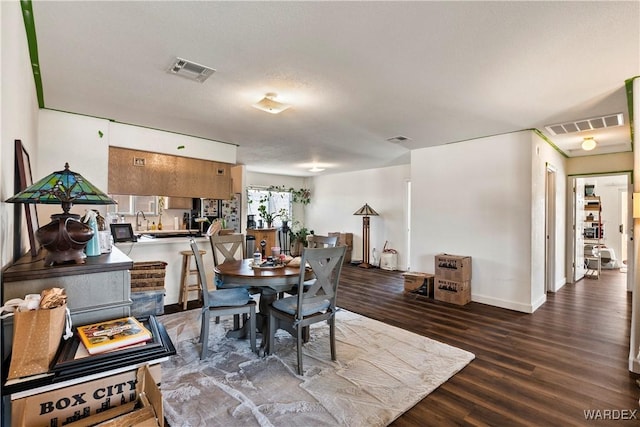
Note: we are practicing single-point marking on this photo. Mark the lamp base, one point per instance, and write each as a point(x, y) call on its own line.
point(365, 265)
point(64, 238)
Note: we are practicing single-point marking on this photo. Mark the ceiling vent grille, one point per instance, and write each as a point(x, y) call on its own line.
point(191, 70)
point(398, 139)
point(583, 125)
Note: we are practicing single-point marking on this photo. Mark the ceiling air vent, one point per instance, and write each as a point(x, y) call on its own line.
point(191, 70)
point(398, 139)
point(610, 120)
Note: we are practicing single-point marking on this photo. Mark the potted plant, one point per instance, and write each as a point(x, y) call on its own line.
point(298, 237)
point(267, 216)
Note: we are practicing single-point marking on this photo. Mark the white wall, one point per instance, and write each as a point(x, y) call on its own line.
point(84, 141)
point(604, 163)
point(334, 199)
point(634, 271)
point(19, 115)
point(485, 198)
point(140, 138)
point(544, 155)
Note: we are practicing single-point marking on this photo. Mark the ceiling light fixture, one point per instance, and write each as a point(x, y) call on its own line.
point(589, 144)
point(316, 169)
point(270, 105)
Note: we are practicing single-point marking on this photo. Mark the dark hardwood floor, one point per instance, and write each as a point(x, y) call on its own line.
point(541, 369)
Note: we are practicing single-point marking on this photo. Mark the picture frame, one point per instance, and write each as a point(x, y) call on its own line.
point(24, 179)
point(67, 361)
point(122, 232)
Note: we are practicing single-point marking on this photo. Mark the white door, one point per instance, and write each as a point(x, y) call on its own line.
point(578, 225)
point(550, 230)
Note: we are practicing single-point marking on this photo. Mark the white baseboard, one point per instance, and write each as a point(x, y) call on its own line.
point(509, 305)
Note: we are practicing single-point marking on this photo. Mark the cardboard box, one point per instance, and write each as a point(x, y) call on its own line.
point(453, 267)
point(76, 403)
point(452, 292)
point(146, 411)
point(419, 283)
point(344, 239)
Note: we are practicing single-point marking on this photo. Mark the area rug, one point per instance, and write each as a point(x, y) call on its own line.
point(381, 372)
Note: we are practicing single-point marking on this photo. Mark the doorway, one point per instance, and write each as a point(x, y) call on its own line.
point(601, 217)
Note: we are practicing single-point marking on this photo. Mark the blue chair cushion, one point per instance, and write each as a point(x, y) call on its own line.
point(290, 304)
point(228, 297)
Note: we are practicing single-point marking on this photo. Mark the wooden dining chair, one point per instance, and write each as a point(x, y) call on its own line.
point(228, 247)
point(316, 303)
point(223, 302)
point(317, 241)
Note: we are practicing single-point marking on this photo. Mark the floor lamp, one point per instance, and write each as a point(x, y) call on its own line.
point(366, 211)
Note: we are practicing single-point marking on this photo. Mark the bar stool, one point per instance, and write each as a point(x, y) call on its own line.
point(187, 272)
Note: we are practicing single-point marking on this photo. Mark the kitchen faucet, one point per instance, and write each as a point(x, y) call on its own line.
point(138, 224)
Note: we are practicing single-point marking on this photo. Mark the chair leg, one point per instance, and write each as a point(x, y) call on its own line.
point(184, 277)
point(252, 329)
point(299, 347)
point(332, 337)
point(204, 333)
point(272, 326)
point(236, 321)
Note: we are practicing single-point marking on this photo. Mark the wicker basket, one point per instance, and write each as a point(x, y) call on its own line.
point(148, 276)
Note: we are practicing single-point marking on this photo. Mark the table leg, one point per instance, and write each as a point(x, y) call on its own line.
point(267, 296)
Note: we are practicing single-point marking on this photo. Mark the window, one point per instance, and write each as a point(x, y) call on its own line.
point(276, 202)
point(129, 205)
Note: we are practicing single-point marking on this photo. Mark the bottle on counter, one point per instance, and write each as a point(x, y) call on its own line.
point(153, 225)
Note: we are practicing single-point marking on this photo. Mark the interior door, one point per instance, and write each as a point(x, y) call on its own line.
point(578, 225)
point(550, 232)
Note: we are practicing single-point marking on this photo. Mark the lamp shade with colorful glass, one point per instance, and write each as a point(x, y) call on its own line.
point(65, 237)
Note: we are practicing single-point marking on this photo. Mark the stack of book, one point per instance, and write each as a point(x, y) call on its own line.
point(113, 335)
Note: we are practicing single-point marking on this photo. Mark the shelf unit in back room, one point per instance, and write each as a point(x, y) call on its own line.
point(593, 225)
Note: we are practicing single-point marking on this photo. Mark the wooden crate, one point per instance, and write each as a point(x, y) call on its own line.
point(148, 276)
point(452, 292)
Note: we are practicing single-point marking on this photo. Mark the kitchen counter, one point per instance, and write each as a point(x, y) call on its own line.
point(168, 249)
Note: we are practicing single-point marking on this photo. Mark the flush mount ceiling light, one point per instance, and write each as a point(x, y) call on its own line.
point(316, 169)
point(270, 105)
point(589, 144)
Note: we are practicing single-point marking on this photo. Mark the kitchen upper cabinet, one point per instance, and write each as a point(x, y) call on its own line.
point(145, 173)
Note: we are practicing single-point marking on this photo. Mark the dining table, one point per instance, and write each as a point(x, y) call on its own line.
point(269, 280)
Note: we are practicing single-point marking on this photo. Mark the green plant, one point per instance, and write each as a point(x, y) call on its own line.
point(302, 195)
point(269, 217)
point(299, 234)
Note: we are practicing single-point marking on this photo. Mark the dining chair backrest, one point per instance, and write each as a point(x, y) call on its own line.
point(316, 241)
point(201, 271)
point(326, 264)
point(229, 247)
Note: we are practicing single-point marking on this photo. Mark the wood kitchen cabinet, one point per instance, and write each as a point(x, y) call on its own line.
point(270, 235)
point(145, 173)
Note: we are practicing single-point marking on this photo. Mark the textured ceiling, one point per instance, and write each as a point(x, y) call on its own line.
point(357, 73)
